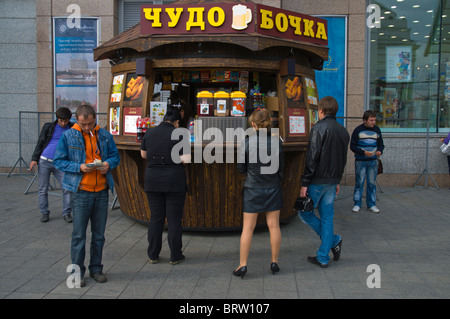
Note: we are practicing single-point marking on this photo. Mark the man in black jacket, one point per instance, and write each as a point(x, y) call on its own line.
point(325, 162)
point(43, 154)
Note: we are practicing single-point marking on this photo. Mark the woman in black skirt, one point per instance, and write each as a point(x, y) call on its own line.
point(261, 158)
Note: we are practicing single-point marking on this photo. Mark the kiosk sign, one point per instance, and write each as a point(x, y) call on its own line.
point(232, 19)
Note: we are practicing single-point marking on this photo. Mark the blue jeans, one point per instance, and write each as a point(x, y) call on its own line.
point(45, 168)
point(363, 170)
point(87, 206)
point(323, 196)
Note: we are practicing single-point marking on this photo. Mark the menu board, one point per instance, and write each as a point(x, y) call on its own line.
point(130, 115)
point(157, 112)
point(297, 122)
point(116, 90)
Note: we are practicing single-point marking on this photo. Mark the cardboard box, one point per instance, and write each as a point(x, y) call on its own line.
point(272, 103)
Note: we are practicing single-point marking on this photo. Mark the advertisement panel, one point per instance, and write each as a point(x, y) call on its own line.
point(75, 71)
point(331, 80)
point(398, 63)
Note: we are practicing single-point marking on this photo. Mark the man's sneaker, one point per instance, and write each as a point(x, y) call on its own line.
point(374, 209)
point(98, 277)
point(45, 218)
point(174, 262)
point(337, 251)
point(356, 209)
point(82, 282)
point(68, 218)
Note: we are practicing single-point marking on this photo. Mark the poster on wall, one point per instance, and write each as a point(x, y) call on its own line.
point(75, 71)
point(294, 91)
point(134, 89)
point(116, 90)
point(313, 117)
point(332, 79)
point(114, 115)
point(311, 91)
point(447, 81)
point(398, 63)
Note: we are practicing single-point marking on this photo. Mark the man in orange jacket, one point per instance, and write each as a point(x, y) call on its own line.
point(86, 154)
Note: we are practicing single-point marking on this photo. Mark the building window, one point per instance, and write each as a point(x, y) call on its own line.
point(409, 65)
point(130, 11)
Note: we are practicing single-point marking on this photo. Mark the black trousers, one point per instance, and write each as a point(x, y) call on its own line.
point(168, 205)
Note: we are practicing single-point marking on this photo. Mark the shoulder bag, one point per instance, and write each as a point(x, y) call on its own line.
point(380, 167)
point(445, 148)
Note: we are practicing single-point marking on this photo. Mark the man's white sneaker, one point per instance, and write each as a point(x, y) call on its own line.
point(374, 209)
point(356, 209)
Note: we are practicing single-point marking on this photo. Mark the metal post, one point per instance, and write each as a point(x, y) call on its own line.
point(20, 160)
point(425, 171)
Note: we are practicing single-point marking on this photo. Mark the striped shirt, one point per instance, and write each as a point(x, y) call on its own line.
point(366, 139)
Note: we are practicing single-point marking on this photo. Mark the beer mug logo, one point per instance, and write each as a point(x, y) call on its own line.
point(241, 17)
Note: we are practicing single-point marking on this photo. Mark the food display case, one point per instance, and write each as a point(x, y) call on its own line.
point(190, 54)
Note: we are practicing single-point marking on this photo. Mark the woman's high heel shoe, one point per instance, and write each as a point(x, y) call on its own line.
point(274, 267)
point(240, 272)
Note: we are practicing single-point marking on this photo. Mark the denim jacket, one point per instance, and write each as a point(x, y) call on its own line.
point(70, 154)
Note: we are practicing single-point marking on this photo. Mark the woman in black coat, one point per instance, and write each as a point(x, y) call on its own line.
point(165, 185)
point(261, 158)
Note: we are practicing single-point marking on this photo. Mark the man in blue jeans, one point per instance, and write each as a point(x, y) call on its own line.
point(86, 154)
point(325, 162)
point(367, 144)
point(43, 154)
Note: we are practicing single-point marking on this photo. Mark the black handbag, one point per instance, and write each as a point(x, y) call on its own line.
point(380, 167)
point(304, 204)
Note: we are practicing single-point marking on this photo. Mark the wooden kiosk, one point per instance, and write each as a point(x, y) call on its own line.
point(209, 46)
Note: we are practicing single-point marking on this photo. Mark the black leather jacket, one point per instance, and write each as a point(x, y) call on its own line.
point(327, 153)
point(256, 158)
point(44, 138)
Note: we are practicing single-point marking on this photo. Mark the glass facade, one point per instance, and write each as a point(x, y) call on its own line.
point(408, 58)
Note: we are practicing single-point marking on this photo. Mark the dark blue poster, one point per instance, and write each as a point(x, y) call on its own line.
point(331, 80)
point(75, 68)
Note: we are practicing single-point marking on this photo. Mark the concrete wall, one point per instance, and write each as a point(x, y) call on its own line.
point(26, 65)
point(106, 10)
point(18, 85)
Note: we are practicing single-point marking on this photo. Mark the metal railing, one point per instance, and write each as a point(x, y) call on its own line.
point(30, 125)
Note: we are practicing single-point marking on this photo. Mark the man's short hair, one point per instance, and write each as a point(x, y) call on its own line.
point(328, 105)
point(369, 113)
point(85, 110)
point(63, 113)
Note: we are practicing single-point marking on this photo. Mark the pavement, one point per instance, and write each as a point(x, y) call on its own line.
point(403, 252)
